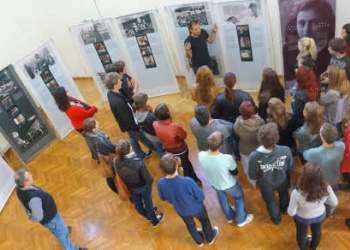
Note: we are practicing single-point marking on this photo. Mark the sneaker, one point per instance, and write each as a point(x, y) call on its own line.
point(216, 232)
point(309, 239)
point(347, 222)
point(155, 211)
point(247, 220)
point(200, 231)
point(160, 218)
point(148, 154)
point(69, 229)
point(234, 210)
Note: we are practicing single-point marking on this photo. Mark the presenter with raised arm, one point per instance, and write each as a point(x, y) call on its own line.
point(196, 45)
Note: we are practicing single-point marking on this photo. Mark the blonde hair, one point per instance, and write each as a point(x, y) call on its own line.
point(338, 80)
point(313, 113)
point(276, 112)
point(308, 47)
point(205, 91)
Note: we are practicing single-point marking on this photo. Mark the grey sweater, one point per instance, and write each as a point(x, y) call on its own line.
point(335, 106)
point(247, 131)
point(202, 132)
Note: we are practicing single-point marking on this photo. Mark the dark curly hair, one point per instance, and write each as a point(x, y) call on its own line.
point(311, 182)
point(61, 99)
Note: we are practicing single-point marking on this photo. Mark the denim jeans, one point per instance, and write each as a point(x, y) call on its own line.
point(245, 163)
point(302, 230)
point(268, 195)
point(142, 200)
point(237, 193)
point(59, 229)
point(157, 144)
point(235, 139)
point(340, 132)
point(135, 137)
point(186, 164)
point(203, 218)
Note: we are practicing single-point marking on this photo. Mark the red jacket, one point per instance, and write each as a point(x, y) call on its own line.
point(345, 164)
point(347, 51)
point(78, 114)
point(172, 135)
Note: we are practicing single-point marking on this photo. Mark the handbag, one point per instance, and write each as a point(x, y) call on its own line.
point(123, 191)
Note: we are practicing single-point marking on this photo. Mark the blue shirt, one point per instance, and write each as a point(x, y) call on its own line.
point(329, 159)
point(217, 168)
point(183, 193)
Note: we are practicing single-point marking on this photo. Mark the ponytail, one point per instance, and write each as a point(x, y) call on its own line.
point(229, 81)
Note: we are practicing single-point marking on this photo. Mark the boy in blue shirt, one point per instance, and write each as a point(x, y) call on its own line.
point(187, 199)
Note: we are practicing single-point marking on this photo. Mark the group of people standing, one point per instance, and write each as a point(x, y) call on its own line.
point(264, 137)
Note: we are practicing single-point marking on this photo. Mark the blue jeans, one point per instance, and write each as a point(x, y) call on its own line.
point(340, 132)
point(203, 218)
point(268, 195)
point(143, 203)
point(237, 193)
point(135, 137)
point(157, 144)
point(59, 229)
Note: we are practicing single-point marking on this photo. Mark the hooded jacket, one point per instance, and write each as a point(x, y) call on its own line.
point(146, 119)
point(247, 131)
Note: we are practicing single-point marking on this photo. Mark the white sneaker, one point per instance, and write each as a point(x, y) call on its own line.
point(199, 230)
point(247, 220)
point(234, 210)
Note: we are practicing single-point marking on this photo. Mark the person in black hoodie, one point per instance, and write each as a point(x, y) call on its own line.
point(226, 106)
point(41, 207)
point(124, 115)
point(136, 177)
point(271, 165)
point(145, 117)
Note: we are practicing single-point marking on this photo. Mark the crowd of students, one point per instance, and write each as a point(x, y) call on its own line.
point(230, 127)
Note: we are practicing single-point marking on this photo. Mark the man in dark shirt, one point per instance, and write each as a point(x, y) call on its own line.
point(41, 207)
point(196, 46)
point(130, 86)
point(336, 48)
point(124, 115)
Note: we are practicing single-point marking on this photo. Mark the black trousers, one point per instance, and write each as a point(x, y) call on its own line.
point(302, 234)
point(186, 164)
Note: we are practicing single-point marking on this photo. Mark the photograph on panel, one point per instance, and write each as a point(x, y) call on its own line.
point(242, 12)
point(94, 32)
point(149, 61)
point(100, 48)
point(146, 50)
point(134, 26)
point(142, 40)
point(306, 19)
point(184, 15)
point(39, 63)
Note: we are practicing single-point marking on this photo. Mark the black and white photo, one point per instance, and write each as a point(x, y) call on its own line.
point(184, 15)
point(149, 61)
point(94, 32)
point(138, 25)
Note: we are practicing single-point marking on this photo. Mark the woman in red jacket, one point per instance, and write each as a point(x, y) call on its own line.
point(345, 33)
point(76, 110)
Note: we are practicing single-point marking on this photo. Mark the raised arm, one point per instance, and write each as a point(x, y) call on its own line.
point(212, 35)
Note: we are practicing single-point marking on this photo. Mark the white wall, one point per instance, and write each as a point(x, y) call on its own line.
point(25, 25)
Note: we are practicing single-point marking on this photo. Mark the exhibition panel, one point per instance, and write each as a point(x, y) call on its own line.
point(244, 41)
point(143, 41)
point(100, 49)
point(43, 72)
point(7, 182)
point(180, 17)
point(22, 124)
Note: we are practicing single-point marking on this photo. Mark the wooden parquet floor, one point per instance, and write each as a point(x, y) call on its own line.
point(101, 221)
